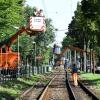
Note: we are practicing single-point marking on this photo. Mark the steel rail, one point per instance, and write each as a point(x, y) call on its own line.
point(42, 95)
point(70, 91)
point(90, 93)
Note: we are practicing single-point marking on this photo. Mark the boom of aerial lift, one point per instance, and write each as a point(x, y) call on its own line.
point(8, 59)
point(58, 62)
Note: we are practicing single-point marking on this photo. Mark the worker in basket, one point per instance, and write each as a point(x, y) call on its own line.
point(38, 13)
point(74, 74)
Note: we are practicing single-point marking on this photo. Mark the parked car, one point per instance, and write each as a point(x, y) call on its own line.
point(97, 70)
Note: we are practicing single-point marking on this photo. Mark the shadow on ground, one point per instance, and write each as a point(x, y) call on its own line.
point(6, 96)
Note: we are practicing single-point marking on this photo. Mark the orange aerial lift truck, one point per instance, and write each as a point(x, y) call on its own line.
point(9, 59)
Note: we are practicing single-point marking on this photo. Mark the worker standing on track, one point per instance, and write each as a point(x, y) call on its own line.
point(74, 74)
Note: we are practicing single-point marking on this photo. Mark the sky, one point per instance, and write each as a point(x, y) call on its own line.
point(60, 11)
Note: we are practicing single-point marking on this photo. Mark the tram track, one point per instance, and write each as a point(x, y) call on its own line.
point(70, 91)
point(35, 90)
point(60, 87)
point(90, 93)
point(44, 92)
point(73, 93)
point(80, 92)
point(56, 89)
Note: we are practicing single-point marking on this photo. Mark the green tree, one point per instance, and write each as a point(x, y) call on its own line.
point(11, 15)
point(85, 25)
point(67, 41)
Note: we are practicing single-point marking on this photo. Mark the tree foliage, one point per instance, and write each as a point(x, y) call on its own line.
point(10, 16)
point(85, 25)
point(67, 41)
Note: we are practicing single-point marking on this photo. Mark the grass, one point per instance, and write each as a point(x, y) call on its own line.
point(12, 88)
point(92, 79)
